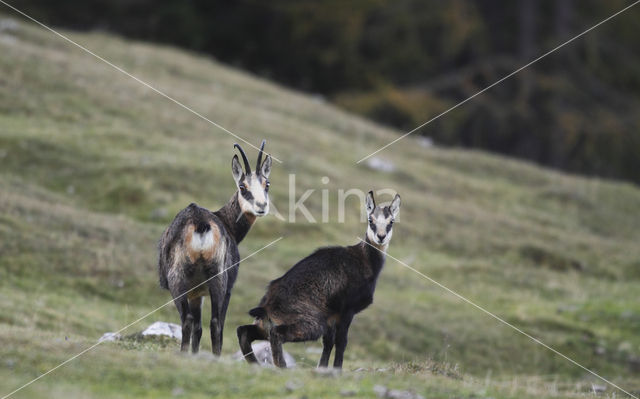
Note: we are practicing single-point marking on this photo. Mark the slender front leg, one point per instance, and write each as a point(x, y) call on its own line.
point(328, 339)
point(275, 339)
point(246, 335)
point(342, 330)
point(186, 319)
point(195, 308)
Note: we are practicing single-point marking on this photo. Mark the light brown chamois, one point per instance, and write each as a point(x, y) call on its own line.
point(200, 244)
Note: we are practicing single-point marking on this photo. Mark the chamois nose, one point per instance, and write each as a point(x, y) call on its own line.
point(260, 207)
point(381, 237)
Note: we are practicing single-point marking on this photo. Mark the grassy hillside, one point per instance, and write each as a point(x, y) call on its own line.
point(94, 166)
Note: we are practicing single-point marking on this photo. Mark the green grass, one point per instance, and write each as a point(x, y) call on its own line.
point(94, 166)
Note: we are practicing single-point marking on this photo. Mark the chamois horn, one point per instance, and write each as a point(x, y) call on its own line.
point(258, 164)
point(244, 158)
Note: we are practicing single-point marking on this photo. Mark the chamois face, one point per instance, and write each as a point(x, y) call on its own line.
point(380, 220)
point(253, 187)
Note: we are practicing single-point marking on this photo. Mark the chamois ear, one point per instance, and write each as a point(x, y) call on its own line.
point(236, 169)
point(395, 206)
point(370, 202)
point(265, 169)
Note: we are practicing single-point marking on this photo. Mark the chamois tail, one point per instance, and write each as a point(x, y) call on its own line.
point(202, 227)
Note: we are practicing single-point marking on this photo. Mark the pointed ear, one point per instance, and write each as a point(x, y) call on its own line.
point(236, 169)
point(371, 203)
point(266, 167)
point(395, 206)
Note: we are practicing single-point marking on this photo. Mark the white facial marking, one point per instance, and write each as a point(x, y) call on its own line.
point(259, 205)
point(381, 222)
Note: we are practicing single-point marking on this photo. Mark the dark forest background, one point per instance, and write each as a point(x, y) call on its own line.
point(401, 62)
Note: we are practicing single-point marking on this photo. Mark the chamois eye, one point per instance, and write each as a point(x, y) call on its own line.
point(391, 223)
point(266, 187)
point(370, 220)
point(242, 187)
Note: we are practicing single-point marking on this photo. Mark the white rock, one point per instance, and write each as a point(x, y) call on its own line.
point(262, 351)
point(380, 390)
point(8, 25)
point(380, 164)
point(109, 337)
point(164, 329)
point(425, 142)
point(386, 393)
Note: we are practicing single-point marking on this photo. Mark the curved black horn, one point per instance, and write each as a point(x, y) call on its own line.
point(260, 157)
point(244, 158)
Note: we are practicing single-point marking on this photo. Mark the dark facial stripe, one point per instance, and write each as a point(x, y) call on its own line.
point(246, 194)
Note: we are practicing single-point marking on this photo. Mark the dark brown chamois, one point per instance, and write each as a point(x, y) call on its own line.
point(200, 244)
point(320, 294)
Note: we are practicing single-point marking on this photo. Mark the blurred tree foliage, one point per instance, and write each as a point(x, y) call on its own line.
point(401, 62)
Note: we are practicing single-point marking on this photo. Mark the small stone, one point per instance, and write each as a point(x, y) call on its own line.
point(177, 391)
point(398, 394)
point(380, 164)
point(425, 142)
point(380, 390)
point(293, 385)
point(8, 25)
point(109, 337)
point(598, 388)
point(318, 98)
point(386, 393)
point(625, 346)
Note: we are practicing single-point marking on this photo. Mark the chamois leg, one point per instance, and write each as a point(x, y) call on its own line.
point(186, 318)
point(195, 307)
point(342, 330)
point(328, 339)
point(223, 313)
point(246, 335)
point(275, 339)
point(215, 325)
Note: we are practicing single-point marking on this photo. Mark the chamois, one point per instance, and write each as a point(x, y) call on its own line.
point(320, 294)
point(200, 244)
